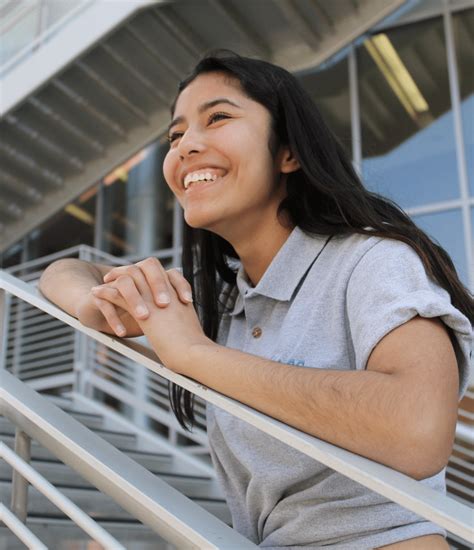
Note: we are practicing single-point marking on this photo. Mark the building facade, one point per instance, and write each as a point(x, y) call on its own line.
point(400, 99)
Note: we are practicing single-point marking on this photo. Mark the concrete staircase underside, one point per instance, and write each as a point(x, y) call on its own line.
point(100, 89)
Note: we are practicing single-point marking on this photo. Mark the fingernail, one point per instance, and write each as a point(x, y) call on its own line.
point(164, 298)
point(188, 296)
point(94, 288)
point(140, 310)
point(120, 329)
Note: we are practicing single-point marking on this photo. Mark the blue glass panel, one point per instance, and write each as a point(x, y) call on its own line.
point(408, 152)
point(467, 112)
point(447, 229)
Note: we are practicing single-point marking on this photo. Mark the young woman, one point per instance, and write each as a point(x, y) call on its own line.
point(340, 318)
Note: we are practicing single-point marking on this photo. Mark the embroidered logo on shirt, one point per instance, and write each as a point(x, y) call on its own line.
point(295, 362)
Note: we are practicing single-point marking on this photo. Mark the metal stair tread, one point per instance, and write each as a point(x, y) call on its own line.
point(145, 458)
point(97, 504)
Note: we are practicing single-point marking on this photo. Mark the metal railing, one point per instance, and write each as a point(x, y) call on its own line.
point(51, 355)
point(165, 510)
point(413, 495)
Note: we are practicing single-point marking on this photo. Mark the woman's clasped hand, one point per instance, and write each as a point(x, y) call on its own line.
point(161, 303)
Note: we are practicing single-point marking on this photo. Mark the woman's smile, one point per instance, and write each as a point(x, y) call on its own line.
point(202, 185)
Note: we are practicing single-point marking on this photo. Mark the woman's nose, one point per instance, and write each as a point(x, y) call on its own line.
point(189, 143)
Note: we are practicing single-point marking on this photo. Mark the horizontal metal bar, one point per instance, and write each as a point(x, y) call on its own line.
point(465, 432)
point(394, 485)
point(39, 337)
point(47, 371)
point(145, 435)
point(53, 381)
point(461, 462)
point(23, 325)
point(111, 376)
point(42, 327)
point(20, 530)
point(26, 366)
point(467, 478)
point(69, 339)
point(23, 358)
point(80, 518)
point(157, 413)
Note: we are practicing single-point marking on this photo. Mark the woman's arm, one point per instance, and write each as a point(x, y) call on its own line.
point(400, 411)
point(68, 282)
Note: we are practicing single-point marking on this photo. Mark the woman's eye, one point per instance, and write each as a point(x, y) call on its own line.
point(212, 118)
point(174, 136)
point(217, 116)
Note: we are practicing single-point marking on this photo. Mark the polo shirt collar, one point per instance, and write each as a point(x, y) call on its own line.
point(285, 271)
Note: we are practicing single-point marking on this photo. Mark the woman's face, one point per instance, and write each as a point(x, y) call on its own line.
point(220, 134)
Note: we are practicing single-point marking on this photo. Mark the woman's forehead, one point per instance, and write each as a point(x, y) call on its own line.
point(206, 87)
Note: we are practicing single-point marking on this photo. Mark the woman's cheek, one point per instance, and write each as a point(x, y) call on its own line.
point(169, 168)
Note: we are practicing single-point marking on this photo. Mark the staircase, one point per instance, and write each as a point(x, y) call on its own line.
point(84, 98)
point(57, 531)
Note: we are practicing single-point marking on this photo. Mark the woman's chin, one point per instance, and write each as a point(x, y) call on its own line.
point(197, 220)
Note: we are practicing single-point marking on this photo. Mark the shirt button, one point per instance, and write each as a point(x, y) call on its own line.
point(256, 332)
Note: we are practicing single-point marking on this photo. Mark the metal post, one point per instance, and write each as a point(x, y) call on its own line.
point(19, 502)
point(177, 233)
point(459, 140)
point(19, 314)
point(99, 217)
point(81, 348)
point(5, 300)
point(355, 111)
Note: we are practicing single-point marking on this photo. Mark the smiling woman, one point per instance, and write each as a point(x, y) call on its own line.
point(315, 301)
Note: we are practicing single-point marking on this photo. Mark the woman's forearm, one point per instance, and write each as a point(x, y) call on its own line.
point(368, 413)
point(66, 282)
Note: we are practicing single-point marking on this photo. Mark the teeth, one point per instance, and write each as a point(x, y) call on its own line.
point(199, 176)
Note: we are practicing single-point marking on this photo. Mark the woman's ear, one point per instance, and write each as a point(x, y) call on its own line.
point(288, 162)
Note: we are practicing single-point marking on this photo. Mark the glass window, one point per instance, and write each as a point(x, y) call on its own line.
point(406, 120)
point(11, 256)
point(463, 24)
point(71, 226)
point(329, 89)
point(138, 205)
point(447, 229)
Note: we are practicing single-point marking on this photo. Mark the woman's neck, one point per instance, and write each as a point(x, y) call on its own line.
point(257, 252)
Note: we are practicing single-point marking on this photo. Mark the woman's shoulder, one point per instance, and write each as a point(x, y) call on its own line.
point(365, 251)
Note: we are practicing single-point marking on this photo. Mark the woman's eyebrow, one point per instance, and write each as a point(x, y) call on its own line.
point(204, 107)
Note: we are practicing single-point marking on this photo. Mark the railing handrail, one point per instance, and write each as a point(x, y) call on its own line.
point(80, 518)
point(19, 529)
point(413, 495)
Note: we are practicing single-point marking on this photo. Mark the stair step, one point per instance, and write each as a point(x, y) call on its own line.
point(62, 534)
point(115, 437)
point(90, 420)
point(96, 504)
point(151, 461)
point(62, 475)
point(125, 441)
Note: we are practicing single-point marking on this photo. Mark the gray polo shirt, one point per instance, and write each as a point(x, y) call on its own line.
point(321, 304)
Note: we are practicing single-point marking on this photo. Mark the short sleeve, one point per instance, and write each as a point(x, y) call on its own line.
point(388, 287)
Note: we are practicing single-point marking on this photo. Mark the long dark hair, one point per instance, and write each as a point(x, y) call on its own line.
point(324, 197)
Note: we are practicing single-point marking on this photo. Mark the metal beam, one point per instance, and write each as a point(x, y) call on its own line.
point(88, 28)
point(299, 23)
